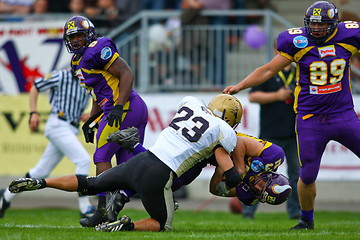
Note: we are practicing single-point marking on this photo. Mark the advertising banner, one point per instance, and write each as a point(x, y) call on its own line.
point(29, 50)
point(20, 149)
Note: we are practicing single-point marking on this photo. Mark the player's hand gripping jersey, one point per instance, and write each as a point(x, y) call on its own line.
point(323, 70)
point(91, 68)
point(192, 136)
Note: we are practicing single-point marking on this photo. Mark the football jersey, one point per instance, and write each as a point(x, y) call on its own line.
point(270, 157)
point(91, 68)
point(192, 136)
point(323, 70)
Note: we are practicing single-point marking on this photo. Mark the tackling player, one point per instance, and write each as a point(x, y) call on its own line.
point(323, 101)
point(261, 158)
point(109, 80)
point(194, 134)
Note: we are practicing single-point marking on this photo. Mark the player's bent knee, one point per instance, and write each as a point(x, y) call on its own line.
point(307, 179)
point(308, 173)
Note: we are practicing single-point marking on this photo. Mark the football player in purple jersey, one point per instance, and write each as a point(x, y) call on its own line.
point(323, 101)
point(109, 80)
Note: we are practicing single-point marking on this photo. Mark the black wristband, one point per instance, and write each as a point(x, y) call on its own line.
point(31, 113)
point(232, 177)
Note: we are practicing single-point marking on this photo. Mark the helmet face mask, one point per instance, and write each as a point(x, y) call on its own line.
point(321, 20)
point(226, 107)
point(78, 25)
point(270, 187)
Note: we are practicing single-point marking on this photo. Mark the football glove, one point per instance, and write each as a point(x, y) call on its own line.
point(115, 115)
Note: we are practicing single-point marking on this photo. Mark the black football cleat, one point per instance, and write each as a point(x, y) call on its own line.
point(3, 203)
point(304, 225)
point(127, 138)
point(89, 213)
point(97, 218)
point(26, 184)
point(116, 202)
point(123, 224)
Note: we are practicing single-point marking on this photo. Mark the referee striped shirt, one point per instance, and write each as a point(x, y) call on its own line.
point(67, 98)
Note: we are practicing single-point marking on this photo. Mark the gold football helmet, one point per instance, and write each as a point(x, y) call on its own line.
point(226, 107)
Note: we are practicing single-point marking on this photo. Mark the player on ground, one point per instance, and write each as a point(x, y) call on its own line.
point(109, 80)
point(323, 101)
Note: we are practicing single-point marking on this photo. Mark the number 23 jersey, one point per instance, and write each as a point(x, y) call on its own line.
point(192, 136)
point(323, 70)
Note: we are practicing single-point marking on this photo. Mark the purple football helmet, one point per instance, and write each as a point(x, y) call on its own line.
point(78, 24)
point(269, 187)
point(321, 12)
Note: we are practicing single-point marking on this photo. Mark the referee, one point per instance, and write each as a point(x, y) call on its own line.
point(68, 101)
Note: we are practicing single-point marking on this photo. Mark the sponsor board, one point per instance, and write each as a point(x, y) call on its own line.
point(20, 149)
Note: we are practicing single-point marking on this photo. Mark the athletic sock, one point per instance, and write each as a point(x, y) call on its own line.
point(308, 215)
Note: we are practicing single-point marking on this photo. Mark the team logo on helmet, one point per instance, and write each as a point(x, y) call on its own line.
point(317, 12)
point(71, 25)
point(331, 13)
point(85, 24)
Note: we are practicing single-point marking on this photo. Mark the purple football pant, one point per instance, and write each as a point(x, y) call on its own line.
point(315, 132)
point(138, 118)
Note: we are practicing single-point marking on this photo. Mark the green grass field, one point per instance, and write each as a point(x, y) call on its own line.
point(64, 224)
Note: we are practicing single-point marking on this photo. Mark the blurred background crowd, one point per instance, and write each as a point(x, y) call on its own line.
point(111, 13)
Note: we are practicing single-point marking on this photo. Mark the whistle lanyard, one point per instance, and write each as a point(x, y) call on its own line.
point(289, 79)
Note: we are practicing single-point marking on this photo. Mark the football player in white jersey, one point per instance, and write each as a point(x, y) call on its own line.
point(195, 133)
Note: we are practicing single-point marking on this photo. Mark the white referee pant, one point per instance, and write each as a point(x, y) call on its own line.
point(63, 142)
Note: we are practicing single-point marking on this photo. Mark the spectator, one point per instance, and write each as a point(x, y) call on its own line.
point(76, 6)
point(127, 9)
point(196, 40)
point(104, 15)
point(16, 6)
point(40, 7)
point(59, 6)
point(173, 4)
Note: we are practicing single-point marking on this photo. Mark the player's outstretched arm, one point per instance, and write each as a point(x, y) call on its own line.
point(260, 75)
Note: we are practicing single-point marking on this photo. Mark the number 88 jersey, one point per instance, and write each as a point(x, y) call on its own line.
point(193, 135)
point(323, 70)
